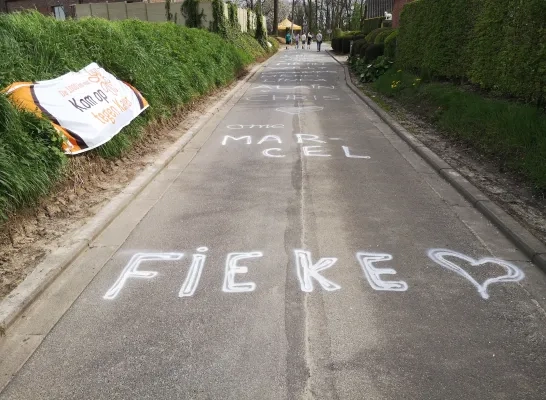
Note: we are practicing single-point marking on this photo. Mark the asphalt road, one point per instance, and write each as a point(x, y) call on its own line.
point(304, 252)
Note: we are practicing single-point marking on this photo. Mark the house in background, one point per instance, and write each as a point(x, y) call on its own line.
point(59, 9)
point(377, 8)
point(396, 10)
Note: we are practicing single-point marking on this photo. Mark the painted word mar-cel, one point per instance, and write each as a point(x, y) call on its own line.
point(376, 269)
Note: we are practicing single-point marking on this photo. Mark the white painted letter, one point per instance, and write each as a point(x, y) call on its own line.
point(131, 271)
point(270, 138)
point(233, 269)
point(373, 274)
point(194, 274)
point(312, 138)
point(349, 155)
point(248, 139)
point(306, 271)
point(267, 153)
point(307, 150)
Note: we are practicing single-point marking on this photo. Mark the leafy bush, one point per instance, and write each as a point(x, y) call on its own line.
point(337, 33)
point(190, 11)
point(371, 72)
point(357, 44)
point(371, 24)
point(170, 64)
point(505, 130)
point(373, 51)
point(336, 44)
point(363, 48)
point(390, 45)
point(508, 48)
point(434, 35)
point(498, 44)
point(381, 36)
point(346, 44)
point(370, 37)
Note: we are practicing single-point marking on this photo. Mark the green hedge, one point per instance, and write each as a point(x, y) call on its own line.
point(170, 64)
point(498, 44)
point(381, 36)
point(374, 51)
point(370, 37)
point(390, 45)
point(357, 45)
point(371, 24)
point(512, 133)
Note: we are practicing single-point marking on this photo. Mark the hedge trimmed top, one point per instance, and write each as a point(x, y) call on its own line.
point(498, 44)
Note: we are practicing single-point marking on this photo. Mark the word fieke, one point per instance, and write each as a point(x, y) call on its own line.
point(308, 272)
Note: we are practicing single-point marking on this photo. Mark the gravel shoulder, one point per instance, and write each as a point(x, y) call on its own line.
point(506, 189)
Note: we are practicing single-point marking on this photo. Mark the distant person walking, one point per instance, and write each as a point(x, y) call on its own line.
point(303, 41)
point(288, 39)
point(319, 40)
point(297, 39)
point(309, 38)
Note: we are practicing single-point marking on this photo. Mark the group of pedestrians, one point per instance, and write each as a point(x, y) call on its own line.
point(304, 39)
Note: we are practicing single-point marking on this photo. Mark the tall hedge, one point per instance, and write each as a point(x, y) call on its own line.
point(498, 44)
point(371, 24)
point(434, 35)
point(509, 48)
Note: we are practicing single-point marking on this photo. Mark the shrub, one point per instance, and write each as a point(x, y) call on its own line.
point(508, 48)
point(170, 64)
point(190, 11)
point(508, 131)
point(371, 72)
point(337, 33)
point(434, 35)
point(357, 44)
point(336, 45)
point(363, 48)
point(346, 44)
point(381, 36)
point(390, 45)
point(371, 24)
point(498, 44)
point(370, 37)
point(373, 51)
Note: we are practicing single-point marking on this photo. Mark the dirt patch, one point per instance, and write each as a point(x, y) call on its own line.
point(89, 184)
point(508, 190)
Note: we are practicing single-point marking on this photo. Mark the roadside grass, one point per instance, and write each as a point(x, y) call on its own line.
point(513, 133)
point(169, 64)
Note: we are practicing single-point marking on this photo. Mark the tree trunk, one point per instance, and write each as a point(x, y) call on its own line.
point(276, 17)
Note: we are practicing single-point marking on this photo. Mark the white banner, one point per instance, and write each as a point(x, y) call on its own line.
point(89, 106)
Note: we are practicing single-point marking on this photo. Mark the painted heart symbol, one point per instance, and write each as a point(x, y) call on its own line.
point(299, 110)
point(513, 273)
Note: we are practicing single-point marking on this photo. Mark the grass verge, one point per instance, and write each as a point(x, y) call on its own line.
point(512, 133)
point(171, 65)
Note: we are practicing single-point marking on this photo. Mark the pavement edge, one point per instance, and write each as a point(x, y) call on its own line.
point(516, 233)
point(15, 303)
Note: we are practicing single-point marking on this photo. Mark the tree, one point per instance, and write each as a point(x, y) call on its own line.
point(275, 17)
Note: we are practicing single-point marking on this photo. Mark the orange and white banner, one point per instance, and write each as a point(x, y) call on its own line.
point(88, 107)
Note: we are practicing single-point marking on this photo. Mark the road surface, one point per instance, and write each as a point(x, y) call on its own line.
point(296, 249)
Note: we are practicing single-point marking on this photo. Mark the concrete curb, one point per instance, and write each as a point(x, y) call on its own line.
point(46, 271)
point(521, 237)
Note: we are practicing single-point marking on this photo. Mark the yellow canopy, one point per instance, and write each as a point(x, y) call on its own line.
point(286, 24)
